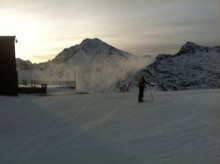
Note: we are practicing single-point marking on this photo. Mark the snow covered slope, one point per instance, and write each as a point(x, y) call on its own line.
point(192, 67)
point(101, 67)
point(91, 48)
point(98, 66)
point(175, 128)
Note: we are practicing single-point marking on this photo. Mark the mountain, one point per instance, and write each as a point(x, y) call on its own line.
point(97, 65)
point(193, 67)
point(92, 48)
point(102, 67)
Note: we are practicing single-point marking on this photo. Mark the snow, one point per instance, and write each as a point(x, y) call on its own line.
point(193, 67)
point(68, 127)
point(95, 65)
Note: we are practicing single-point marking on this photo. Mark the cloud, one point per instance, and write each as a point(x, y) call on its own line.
point(125, 23)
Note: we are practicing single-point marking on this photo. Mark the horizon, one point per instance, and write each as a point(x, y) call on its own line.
point(143, 27)
point(114, 47)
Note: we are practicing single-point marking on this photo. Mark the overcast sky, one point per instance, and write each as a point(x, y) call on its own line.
point(143, 27)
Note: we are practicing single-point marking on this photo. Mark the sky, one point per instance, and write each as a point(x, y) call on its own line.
point(44, 28)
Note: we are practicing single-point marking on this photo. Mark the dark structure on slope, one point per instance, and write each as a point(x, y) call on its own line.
point(8, 72)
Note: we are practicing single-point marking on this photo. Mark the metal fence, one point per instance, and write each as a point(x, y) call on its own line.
point(34, 83)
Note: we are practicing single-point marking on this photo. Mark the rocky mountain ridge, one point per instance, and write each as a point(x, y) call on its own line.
point(101, 66)
point(98, 66)
point(92, 48)
point(193, 67)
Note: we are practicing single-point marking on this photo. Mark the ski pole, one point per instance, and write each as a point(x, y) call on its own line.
point(151, 93)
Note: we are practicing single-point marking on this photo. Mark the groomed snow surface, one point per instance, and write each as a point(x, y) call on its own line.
point(111, 128)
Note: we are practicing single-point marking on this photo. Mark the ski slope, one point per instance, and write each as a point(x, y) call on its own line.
point(111, 128)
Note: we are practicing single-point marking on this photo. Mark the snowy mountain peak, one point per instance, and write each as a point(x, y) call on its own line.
point(193, 67)
point(91, 45)
point(89, 41)
point(191, 47)
point(90, 48)
point(190, 44)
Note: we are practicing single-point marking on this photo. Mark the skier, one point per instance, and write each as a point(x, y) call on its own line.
point(141, 85)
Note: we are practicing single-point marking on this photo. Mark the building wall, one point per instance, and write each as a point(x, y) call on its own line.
point(8, 72)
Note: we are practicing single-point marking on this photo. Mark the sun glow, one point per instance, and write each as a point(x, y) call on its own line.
point(29, 31)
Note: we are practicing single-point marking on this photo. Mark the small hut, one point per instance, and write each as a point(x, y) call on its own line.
point(8, 72)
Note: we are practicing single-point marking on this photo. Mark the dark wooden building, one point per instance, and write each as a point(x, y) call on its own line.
point(8, 72)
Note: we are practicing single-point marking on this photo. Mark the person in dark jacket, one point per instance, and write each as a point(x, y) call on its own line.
point(141, 84)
